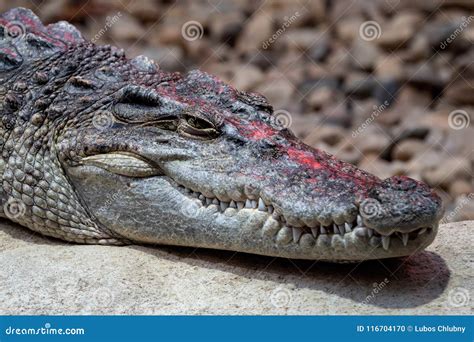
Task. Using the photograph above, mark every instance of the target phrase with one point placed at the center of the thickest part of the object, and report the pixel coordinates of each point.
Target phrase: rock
(364, 54)
(400, 30)
(388, 67)
(226, 27)
(144, 9)
(127, 29)
(255, 33)
(460, 187)
(449, 170)
(381, 168)
(461, 92)
(407, 149)
(330, 135)
(348, 28)
(320, 97)
(41, 276)
(247, 77)
(278, 90)
(169, 58)
(371, 140)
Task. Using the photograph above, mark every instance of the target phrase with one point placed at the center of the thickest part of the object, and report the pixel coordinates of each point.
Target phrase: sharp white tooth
(360, 231)
(385, 242)
(208, 201)
(261, 205)
(297, 232)
(323, 230)
(315, 232)
(215, 201)
(248, 203)
(254, 204)
(359, 220)
(232, 204)
(422, 231)
(240, 205)
(224, 205)
(348, 227)
(342, 230)
(335, 228)
(270, 209)
(370, 232)
(405, 239)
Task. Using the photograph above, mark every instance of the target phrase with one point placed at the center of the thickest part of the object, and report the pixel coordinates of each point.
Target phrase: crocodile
(98, 148)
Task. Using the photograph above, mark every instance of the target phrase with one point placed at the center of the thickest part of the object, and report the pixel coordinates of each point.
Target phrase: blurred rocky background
(384, 84)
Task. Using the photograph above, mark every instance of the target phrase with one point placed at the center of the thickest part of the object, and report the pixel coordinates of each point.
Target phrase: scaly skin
(97, 148)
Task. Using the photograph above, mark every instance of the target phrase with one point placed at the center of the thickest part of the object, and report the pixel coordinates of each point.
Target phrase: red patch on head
(257, 131)
(303, 157)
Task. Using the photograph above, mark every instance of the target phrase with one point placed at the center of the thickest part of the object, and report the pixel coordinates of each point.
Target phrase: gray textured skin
(97, 148)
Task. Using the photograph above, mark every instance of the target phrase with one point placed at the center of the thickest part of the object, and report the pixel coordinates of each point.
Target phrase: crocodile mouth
(277, 228)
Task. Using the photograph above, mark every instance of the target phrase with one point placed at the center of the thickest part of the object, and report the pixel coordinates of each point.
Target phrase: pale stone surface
(45, 276)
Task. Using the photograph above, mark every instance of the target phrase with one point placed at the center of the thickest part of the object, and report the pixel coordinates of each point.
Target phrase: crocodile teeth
(370, 232)
(215, 201)
(348, 227)
(240, 205)
(405, 239)
(422, 231)
(261, 205)
(359, 220)
(270, 209)
(232, 204)
(248, 204)
(335, 228)
(324, 230)
(315, 232)
(297, 232)
(224, 205)
(385, 242)
(342, 230)
(360, 231)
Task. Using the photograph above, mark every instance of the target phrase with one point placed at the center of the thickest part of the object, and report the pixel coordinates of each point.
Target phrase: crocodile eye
(197, 127)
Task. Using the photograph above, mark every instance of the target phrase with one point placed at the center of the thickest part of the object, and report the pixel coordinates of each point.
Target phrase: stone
(257, 31)
(364, 54)
(399, 30)
(41, 276)
(407, 149)
(127, 29)
(247, 77)
(449, 170)
(461, 187)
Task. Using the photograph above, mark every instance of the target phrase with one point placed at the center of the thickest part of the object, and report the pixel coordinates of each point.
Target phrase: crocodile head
(194, 162)
(102, 149)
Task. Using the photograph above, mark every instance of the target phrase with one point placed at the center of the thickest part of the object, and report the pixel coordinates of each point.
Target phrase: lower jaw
(260, 233)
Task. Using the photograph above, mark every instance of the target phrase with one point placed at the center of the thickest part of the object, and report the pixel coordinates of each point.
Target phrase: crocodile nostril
(400, 183)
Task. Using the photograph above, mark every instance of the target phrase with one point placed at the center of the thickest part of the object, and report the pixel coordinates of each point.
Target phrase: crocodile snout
(400, 204)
